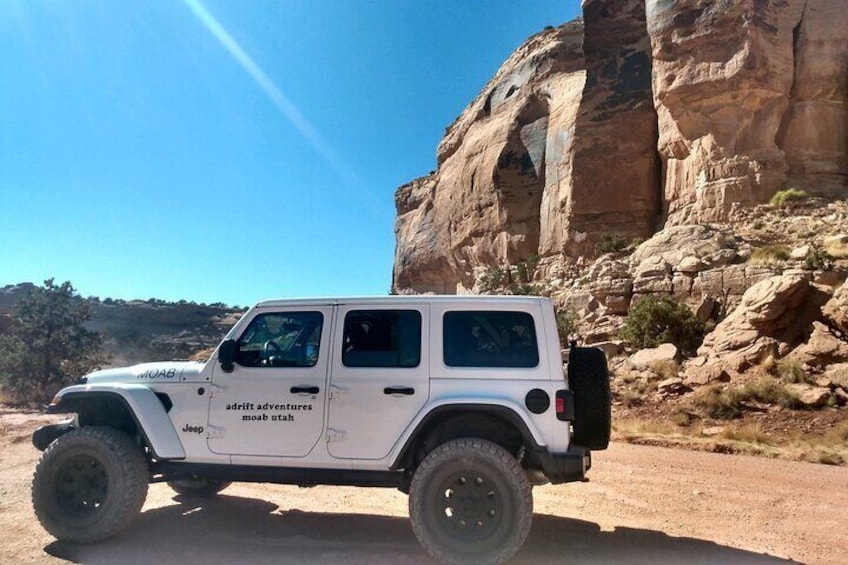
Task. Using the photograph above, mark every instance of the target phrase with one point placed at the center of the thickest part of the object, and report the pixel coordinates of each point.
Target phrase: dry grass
(747, 433)
(727, 403)
(748, 438)
(665, 369)
(837, 250)
(770, 255)
(792, 371)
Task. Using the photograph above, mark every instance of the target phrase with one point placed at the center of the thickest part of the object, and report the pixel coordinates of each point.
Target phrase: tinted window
(288, 339)
(382, 338)
(490, 339)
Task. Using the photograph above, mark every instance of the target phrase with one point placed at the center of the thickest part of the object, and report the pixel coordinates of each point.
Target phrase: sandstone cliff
(639, 116)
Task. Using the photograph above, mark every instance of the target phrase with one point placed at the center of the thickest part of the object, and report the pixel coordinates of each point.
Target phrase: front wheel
(470, 502)
(90, 484)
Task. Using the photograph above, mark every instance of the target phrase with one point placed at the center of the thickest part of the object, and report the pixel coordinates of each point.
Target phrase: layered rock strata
(640, 115)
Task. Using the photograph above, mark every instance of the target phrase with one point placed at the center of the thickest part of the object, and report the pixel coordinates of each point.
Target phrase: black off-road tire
(89, 485)
(198, 487)
(470, 502)
(588, 379)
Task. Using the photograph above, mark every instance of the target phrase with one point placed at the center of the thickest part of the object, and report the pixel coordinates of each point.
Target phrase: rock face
(750, 96)
(639, 116)
(526, 168)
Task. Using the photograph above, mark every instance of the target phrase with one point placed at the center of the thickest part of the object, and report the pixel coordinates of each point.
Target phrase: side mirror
(227, 355)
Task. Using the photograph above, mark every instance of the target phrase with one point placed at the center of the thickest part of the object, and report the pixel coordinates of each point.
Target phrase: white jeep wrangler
(461, 402)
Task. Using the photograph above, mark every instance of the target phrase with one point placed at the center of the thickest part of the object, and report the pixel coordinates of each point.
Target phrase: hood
(164, 372)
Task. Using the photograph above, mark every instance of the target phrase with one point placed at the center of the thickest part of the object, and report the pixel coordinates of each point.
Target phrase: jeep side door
(273, 401)
(380, 377)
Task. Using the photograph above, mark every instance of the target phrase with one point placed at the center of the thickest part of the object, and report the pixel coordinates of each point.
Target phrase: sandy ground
(642, 505)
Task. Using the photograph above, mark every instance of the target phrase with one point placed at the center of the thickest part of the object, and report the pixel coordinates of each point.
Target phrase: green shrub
(526, 269)
(493, 278)
(48, 345)
(566, 324)
(818, 260)
(783, 197)
(770, 254)
(652, 321)
(611, 243)
(510, 279)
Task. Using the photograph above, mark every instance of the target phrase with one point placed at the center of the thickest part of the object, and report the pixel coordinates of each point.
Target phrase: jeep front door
(272, 402)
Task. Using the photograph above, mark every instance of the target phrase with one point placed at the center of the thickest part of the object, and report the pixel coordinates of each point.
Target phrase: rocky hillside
(691, 149)
(639, 116)
(138, 330)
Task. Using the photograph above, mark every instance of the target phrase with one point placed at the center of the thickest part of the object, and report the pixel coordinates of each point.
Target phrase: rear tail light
(564, 405)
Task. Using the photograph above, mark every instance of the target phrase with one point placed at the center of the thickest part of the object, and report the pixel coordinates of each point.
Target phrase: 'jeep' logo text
(193, 429)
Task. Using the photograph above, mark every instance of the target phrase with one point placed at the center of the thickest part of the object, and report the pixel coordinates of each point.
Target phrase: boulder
(837, 374)
(773, 311)
(644, 358)
(835, 311)
(672, 386)
(799, 253)
(810, 397)
(821, 349)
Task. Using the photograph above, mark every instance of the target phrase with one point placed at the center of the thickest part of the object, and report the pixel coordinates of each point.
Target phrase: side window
(289, 339)
(382, 338)
(490, 339)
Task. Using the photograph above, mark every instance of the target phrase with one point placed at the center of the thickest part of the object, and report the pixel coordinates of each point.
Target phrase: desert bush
(611, 243)
(653, 321)
(818, 260)
(665, 369)
(792, 371)
(728, 403)
(526, 269)
(720, 403)
(770, 254)
(771, 391)
(510, 279)
(783, 197)
(566, 324)
(47, 346)
(493, 278)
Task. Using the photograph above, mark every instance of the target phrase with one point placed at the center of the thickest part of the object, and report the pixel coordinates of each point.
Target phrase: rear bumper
(566, 467)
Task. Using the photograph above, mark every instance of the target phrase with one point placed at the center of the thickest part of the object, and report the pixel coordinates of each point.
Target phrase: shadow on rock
(235, 530)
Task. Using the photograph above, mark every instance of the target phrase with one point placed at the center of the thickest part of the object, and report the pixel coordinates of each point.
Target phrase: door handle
(399, 390)
(305, 389)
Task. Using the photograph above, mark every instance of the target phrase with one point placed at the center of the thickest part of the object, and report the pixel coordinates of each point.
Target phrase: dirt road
(643, 505)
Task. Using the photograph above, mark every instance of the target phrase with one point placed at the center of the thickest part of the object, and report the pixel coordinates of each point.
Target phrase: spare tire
(588, 379)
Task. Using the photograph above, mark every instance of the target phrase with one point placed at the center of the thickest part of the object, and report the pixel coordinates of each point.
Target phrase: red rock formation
(564, 145)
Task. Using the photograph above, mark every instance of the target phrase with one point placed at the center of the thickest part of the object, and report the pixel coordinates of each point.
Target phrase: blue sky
(215, 150)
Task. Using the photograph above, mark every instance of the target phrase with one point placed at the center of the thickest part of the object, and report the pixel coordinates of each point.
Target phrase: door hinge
(216, 390)
(336, 435)
(337, 392)
(214, 432)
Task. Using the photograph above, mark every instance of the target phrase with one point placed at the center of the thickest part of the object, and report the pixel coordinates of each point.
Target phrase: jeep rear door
(379, 379)
(273, 401)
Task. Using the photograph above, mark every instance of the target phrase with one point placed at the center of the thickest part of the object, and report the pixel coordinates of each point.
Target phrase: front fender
(140, 402)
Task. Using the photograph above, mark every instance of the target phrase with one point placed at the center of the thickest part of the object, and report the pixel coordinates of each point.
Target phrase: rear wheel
(198, 486)
(90, 484)
(470, 502)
